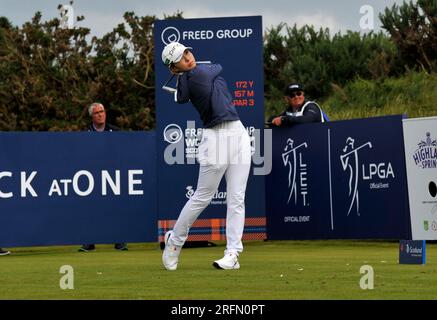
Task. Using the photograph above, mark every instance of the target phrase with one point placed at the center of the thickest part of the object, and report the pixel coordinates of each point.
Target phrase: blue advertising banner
(237, 45)
(296, 189)
(339, 180)
(412, 251)
(77, 188)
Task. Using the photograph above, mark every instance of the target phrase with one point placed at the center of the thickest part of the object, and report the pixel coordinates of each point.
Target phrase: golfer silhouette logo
(290, 160)
(349, 161)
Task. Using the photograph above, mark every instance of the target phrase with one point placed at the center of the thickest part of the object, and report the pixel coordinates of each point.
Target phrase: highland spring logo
(290, 160)
(426, 155)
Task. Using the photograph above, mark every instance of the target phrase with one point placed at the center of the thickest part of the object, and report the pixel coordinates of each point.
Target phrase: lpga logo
(289, 158)
(426, 155)
(349, 161)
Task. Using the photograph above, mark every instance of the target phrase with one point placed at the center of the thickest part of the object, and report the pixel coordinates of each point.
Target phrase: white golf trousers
(224, 150)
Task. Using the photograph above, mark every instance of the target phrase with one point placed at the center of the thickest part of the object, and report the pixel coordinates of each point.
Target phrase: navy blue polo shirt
(209, 94)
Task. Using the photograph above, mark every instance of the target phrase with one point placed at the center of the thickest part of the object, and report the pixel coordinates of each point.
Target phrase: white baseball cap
(173, 52)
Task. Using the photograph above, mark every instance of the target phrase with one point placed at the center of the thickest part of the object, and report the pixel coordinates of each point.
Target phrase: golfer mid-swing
(224, 150)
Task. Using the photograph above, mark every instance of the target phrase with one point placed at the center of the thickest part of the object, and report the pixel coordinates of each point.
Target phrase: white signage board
(420, 138)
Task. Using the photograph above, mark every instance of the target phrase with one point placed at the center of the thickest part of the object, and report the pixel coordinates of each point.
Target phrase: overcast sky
(103, 15)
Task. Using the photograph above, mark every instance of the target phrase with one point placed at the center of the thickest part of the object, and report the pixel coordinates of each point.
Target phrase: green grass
(414, 94)
(269, 270)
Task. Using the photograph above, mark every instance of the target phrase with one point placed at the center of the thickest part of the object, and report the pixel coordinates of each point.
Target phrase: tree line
(50, 74)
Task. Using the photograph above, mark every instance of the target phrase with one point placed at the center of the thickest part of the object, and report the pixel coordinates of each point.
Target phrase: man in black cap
(299, 109)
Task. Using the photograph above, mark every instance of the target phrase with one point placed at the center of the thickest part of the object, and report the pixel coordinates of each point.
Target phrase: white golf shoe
(170, 256)
(228, 262)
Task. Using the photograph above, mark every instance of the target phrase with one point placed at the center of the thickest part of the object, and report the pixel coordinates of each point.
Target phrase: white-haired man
(98, 116)
(97, 113)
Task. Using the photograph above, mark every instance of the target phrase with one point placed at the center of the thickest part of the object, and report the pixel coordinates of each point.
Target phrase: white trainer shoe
(228, 262)
(4, 252)
(170, 256)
